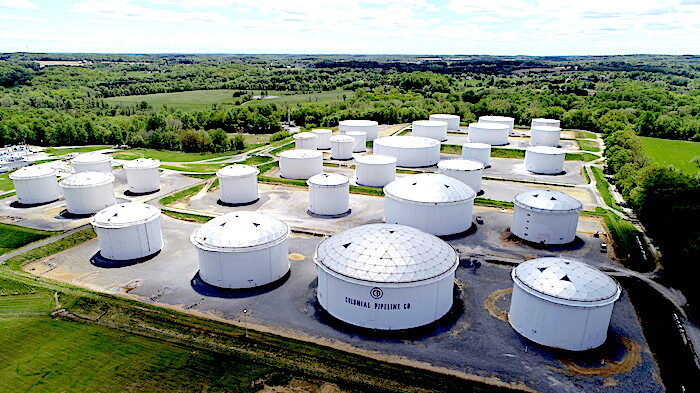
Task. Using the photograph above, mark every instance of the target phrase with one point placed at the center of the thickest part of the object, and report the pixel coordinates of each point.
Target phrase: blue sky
(507, 27)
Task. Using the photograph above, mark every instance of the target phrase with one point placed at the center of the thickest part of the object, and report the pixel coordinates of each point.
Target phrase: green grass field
(5, 182)
(603, 188)
(12, 237)
(167, 155)
(59, 151)
(205, 99)
(679, 154)
(588, 145)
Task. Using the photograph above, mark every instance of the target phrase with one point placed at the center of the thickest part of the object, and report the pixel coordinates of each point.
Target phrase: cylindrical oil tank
(409, 151)
(36, 184)
(370, 127)
(238, 184)
(562, 303)
(329, 194)
(128, 231)
(430, 129)
(494, 134)
(478, 152)
(360, 138)
(544, 160)
(92, 162)
(545, 136)
(505, 120)
(300, 164)
(324, 138)
(387, 277)
(142, 175)
(341, 147)
(375, 170)
(545, 122)
(451, 120)
(468, 172)
(243, 249)
(431, 202)
(88, 192)
(545, 216)
(306, 140)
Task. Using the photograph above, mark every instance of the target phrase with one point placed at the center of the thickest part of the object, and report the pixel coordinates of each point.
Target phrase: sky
(441, 27)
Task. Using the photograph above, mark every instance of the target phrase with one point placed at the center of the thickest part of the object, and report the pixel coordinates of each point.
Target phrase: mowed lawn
(59, 151)
(5, 182)
(12, 237)
(167, 155)
(678, 154)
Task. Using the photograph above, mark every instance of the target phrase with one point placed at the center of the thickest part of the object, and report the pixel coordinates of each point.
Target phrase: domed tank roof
(301, 154)
(142, 163)
(305, 135)
(376, 159)
(461, 165)
(406, 141)
(91, 158)
(358, 123)
(328, 180)
(546, 150)
(87, 179)
(566, 281)
(429, 188)
(240, 232)
(33, 172)
(386, 253)
(547, 200)
(237, 170)
(124, 215)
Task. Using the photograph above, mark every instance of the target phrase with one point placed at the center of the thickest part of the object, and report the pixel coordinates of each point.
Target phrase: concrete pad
(515, 142)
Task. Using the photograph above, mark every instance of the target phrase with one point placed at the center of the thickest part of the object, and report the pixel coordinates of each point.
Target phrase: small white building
(409, 151)
(545, 216)
(434, 203)
(306, 140)
(142, 175)
(360, 141)
(505, 120)
(545, 136)
(300, 164)
(494, 134)
(92, 162)
(386, 277)
(562, 303)
(243, 249)
(36, 184)
(451, 120)
(341, 147)
(545, 160)
(128, 231)
(88, 192)
(375, 170)
(238, 184)
(329, 194)
(468, 172)
(430, 129)
(545, 122)
(324, 138)
(478, 152)
(369, 127)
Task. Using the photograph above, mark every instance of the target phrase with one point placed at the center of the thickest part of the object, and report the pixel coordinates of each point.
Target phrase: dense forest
(653, 95)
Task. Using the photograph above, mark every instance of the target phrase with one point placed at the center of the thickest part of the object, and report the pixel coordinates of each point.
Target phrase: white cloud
(20, 4)
(126, 10)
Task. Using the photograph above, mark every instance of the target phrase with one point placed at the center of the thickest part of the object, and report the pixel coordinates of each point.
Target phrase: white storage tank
(128, 231)
(300, 164)
(92, 162)
(243, 249)
(434, 203)
(88, 192)
(306, 140)
(369, 127)
(36, 184)
(142, 175)
(360, 138)
(545, 136)
(493, 134)
(505, 120)
(409, 151)
(329, 194)
(451, 120)
(545, 122)
(468, 172)
(562, 303)
(238, 184)
(545, 160)
(341, 147)
(324, 138)
(430, 129)
(387, 277)
(375, 170)
(478, 152)
(545, 216)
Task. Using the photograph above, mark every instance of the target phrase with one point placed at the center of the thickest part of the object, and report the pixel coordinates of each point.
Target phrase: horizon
(534, 28)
